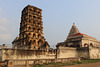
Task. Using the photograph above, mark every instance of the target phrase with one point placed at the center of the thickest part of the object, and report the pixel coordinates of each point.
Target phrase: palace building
(77, 39)
(31, 30)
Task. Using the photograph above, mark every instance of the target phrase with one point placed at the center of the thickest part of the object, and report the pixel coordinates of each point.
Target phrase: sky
(58, 18)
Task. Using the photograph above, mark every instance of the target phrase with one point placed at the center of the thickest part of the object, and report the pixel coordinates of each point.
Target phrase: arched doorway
(86, 45)
(91, 44)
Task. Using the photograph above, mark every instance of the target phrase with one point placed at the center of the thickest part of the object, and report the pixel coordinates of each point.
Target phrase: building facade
(31, 30)
(77, 39)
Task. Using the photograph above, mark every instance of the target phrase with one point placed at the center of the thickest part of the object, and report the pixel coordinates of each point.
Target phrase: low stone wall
(70, 52)
(27, 63)
(66, 52)
(94, 53)
(62, 52)
(83, 52)
(8, 54)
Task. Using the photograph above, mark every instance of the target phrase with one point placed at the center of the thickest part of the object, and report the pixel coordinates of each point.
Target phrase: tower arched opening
(39, 36)
(39, 30)
(34, 35)
(40, 42)
(34, 42)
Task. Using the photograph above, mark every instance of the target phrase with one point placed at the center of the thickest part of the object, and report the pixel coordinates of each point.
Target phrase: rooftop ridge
(33, 6)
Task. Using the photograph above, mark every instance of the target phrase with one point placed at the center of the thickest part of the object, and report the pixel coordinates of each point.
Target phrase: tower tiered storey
(31, 29)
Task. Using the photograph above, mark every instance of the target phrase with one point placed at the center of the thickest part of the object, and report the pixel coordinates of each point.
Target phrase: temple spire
(73, 30)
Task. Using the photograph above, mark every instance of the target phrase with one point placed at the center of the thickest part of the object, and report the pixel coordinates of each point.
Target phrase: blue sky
(58, 17)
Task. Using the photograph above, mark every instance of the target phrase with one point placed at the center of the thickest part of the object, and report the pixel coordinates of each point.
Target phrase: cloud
(4, 24)
(4, 21)
(4, 36)
(4, 30)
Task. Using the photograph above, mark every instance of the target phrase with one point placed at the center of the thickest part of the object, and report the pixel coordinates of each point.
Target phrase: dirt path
(86, 65)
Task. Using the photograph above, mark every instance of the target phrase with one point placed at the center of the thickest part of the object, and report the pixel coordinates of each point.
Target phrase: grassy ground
(65, 64)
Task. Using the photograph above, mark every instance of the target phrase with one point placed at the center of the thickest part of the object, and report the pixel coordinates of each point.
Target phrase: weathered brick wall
(69, 52)
(94, 53)
(27, 54)
(62, 52)
(66, 52)
(83, 52)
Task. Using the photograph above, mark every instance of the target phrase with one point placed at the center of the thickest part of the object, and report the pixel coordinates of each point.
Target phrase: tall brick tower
(31, 30)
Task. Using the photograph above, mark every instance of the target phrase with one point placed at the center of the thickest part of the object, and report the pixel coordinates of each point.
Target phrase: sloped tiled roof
(77, 34)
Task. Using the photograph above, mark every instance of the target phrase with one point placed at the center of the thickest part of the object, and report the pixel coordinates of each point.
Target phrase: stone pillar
(47, 61)
(55, 60)
(81, 43)
(62, 60)
(27, 64)
(34, 62)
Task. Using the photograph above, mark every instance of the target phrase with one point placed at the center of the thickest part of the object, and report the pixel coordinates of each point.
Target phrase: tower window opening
(30, 16)
(29, 35)
(34, 36)
(34, 42)
(34, 10)
(40, 42)
(38, 12)
(30, 9)
(34, 16)
(29, 28)
(39, 24)
(39, 31)
(33, 29)
(39, 36)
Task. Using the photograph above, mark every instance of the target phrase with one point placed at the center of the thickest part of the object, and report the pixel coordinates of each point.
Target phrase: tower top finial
(73, 31)
(73, 23)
